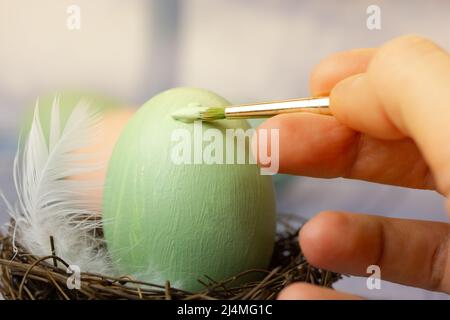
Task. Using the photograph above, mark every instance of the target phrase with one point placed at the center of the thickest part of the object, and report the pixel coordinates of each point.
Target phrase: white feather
(52, 204)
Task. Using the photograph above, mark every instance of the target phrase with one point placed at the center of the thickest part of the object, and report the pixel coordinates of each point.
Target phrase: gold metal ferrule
(318, 105)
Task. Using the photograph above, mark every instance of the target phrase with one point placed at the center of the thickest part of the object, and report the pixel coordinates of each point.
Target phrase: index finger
(337, 67)
(404, 93)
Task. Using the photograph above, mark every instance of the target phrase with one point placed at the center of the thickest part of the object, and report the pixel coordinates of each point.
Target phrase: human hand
(391, 108)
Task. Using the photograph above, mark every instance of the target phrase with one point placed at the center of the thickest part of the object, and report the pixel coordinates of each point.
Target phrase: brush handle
(318, 105)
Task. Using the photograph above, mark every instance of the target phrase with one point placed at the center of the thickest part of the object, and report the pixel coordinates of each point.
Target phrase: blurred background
(244, 50)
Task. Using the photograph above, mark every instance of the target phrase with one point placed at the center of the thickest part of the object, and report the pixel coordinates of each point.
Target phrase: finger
(410, 252)
(405, 92)
(337, 67)
(318, 146)
(305, 291)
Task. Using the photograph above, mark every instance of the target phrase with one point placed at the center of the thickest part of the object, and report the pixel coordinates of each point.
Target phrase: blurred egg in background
(113, 117)
(111, 127)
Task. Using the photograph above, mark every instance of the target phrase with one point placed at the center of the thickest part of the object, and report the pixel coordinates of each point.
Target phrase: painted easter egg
(174, 208)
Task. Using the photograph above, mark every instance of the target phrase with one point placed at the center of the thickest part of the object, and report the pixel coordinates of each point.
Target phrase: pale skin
(391, 125)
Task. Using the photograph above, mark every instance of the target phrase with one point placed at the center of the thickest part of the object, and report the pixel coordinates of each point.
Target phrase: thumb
(405, 92)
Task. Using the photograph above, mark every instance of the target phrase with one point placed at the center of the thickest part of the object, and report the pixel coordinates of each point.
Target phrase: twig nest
(24, 276)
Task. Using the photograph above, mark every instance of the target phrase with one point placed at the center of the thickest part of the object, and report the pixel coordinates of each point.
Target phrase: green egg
(179, 222)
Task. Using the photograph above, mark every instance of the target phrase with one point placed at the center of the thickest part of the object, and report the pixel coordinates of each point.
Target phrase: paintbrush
(318, 105)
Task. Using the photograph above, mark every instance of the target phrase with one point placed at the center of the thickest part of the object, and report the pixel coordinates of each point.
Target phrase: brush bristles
(211, 114)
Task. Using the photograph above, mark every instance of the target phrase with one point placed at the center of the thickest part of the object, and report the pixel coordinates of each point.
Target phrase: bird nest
(24, 277)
